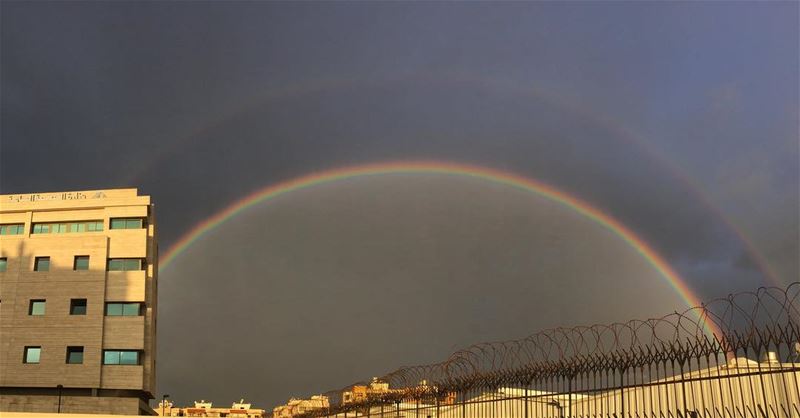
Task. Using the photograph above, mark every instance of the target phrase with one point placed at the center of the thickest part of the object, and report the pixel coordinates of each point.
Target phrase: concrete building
(301, 406)
(239, 409)
(360, 393)
(78, 275)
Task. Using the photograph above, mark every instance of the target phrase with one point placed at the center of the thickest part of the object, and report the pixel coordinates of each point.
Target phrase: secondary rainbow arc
(436, 167)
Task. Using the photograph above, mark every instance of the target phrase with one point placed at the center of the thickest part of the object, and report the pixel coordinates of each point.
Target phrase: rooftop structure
(300, 406)
(203, 408)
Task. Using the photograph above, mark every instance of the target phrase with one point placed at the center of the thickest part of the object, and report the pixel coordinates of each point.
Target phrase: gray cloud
(666, 116)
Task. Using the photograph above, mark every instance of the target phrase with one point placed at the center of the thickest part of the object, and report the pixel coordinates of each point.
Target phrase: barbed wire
(744, 324)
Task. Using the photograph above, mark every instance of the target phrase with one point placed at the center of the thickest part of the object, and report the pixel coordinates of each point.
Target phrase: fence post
(622, 392)
(569, 396)
(464, 405)
(526, 400)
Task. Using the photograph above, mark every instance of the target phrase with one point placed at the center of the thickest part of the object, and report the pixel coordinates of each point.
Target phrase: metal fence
(732, 357)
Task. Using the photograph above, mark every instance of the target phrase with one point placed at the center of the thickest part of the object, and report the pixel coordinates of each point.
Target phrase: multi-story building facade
(78, 275)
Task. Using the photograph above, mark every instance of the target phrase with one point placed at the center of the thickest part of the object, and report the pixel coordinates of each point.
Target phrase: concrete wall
(39, 406)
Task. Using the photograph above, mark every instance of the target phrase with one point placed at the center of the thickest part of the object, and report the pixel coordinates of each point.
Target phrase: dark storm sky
(670, 117)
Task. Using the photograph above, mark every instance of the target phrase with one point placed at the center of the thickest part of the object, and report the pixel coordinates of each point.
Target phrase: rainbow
(436, 167)
(493, 84)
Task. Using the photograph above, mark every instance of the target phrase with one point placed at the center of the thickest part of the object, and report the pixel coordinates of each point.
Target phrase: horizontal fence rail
(732, 357)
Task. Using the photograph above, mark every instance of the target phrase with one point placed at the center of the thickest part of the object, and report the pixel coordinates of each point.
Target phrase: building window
(127, 223)
(81, 262)
(31, 355)
(37, 307)
(41, 264)
(77, 307)
(125, 264)
(124, 309)
(127, 357)
(67, 227)
(74, 355)
(3, 264)
(12, 229)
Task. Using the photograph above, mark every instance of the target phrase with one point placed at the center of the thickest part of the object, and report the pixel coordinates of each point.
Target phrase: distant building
(206, 409)
(377, 387)
(78, 285)
(360, 393)
(740, 385)
(300, 406)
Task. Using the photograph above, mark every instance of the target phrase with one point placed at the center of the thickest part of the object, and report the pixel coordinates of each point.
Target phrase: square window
(133, 224)
(37, 307)
(116, 264)
(3, 264)
(113, 309)
(74, 355)
(118, 224)
(77, 307)
(32, 355)
(132, 264)
(131, 309)
(41, 264)
(128, 357)
(81, 262)
(110, 357)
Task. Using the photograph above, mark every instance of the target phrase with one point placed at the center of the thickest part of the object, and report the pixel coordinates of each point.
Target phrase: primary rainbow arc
(436, 167)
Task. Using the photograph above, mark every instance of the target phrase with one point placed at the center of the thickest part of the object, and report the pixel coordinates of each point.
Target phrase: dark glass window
(77, 307)
(74, 355)
(81, 262)
(12, 229)
(127, 223)
(41, 264)
(32, 355)
(131, 309)
(3, 264)
(127, 357)
(125, 264)
(124, 309)
(37, 307)
(65, 227)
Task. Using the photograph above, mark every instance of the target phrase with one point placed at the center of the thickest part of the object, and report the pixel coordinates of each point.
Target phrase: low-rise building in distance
(360, 393)
(202, 408)
(300, 406)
